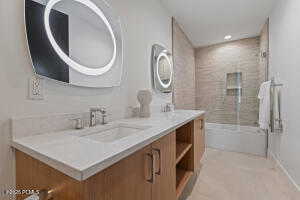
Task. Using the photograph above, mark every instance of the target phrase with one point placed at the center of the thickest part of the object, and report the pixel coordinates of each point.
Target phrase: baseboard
(273, 157)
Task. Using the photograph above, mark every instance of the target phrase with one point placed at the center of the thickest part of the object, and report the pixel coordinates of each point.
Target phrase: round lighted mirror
(75, 65)
(75, 41)
(162, 69)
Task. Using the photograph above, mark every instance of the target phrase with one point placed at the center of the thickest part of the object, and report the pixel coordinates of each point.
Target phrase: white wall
(144, 23)
(285, 66)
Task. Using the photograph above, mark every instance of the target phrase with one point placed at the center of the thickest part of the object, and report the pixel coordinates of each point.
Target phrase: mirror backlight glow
(164, 55)
(76, 66)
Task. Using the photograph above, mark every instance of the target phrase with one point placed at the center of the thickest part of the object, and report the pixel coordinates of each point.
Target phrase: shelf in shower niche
(234, 88)
(234, 81)
(234, 91)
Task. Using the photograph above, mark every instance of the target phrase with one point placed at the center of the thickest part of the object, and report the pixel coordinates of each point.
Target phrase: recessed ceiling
(207, 22)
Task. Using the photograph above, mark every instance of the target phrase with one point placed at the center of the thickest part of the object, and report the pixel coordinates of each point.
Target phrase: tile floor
(236, 176)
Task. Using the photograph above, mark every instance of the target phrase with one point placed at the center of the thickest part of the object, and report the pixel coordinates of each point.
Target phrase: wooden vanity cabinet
(198, 142)
(152, 173)
(125, 180)
(129, 179)
(190, 147)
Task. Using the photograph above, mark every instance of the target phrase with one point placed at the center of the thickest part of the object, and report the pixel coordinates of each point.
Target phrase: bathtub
(244, 139)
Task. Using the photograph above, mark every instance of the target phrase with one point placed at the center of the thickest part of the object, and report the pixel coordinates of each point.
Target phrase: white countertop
(81, 158)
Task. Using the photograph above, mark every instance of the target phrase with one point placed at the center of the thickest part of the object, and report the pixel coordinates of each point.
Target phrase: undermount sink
(115, 133)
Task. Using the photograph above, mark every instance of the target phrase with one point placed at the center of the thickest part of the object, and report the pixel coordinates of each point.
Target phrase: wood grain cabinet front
(198, 142)
(126, 180)
(164, 150)
(148, 174)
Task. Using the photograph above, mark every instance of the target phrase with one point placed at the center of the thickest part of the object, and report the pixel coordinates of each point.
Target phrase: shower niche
(234, 84)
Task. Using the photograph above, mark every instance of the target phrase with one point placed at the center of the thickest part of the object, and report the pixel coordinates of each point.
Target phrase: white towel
(264, 105)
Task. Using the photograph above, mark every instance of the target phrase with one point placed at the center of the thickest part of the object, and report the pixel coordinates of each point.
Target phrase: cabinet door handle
(159, 154)
(152, 179)
(202, 124)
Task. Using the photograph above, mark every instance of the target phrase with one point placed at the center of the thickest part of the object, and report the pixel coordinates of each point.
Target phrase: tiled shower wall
(212, 65)
(264, 47)
(184, 69)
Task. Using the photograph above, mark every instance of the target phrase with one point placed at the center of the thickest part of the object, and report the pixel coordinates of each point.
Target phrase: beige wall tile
(264, 47)
(212, 65)
(184, 70)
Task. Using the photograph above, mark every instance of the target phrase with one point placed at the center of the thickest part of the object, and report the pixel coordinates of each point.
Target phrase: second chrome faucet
(93, 116)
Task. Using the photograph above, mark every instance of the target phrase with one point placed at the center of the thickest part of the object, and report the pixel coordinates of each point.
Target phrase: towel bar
(272, 114)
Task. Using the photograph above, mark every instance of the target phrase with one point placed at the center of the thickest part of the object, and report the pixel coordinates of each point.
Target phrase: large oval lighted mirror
(78, 42)
(162, 69)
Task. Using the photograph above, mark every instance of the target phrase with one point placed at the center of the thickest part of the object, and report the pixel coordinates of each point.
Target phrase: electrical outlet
(36, 88)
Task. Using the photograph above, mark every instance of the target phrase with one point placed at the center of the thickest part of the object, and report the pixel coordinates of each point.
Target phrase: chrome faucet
(93, 116)
(103, 115)
(169, 107)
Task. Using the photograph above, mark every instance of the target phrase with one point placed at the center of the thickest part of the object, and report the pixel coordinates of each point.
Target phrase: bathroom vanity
(130, 159)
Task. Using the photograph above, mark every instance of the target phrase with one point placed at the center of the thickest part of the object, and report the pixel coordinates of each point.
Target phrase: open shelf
(181, 149)
(182, 178)
(186, 139)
